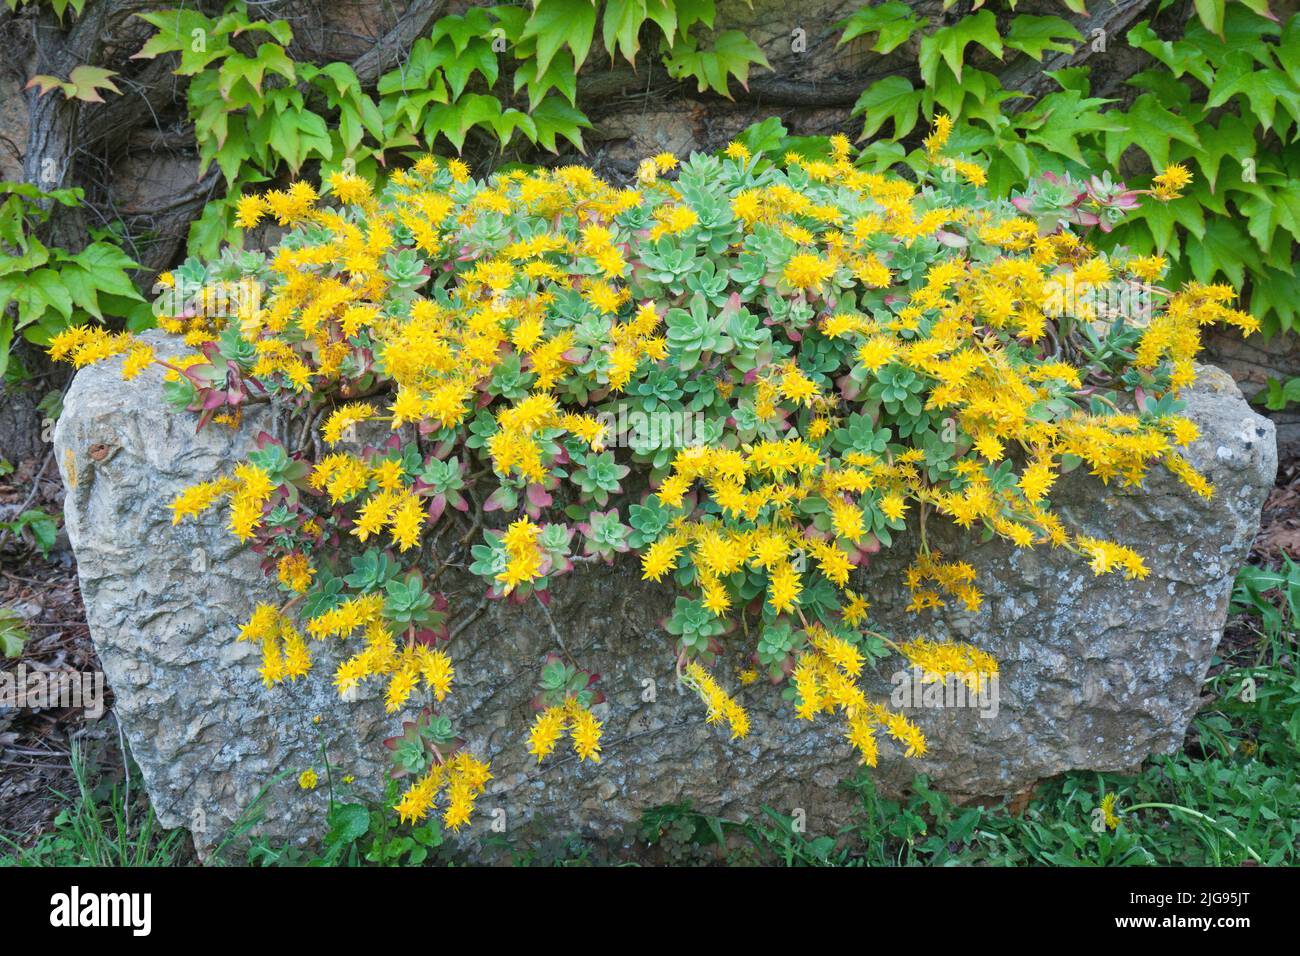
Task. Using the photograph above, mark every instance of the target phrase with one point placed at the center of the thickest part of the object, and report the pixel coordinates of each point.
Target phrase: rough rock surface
(1252, 361)
(1097, 673)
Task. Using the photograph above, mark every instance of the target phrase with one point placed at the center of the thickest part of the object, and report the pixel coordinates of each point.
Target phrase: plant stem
(1200, 816)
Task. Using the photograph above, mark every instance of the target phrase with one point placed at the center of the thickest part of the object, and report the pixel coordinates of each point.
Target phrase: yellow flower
(407, 520)
(1171, 181)
(846, 518)
(524, 557)
(939, 133)
(737, 151)
(721, 707)
(877, 351)
(197, 499)
(546, 731)
(585, 730)
(784, 588)
(892, 506)
(855, 612)
(343, 418)
(249, 211)
(807, 272)
(941, 659)
(660, 558)
(1109, 817)
(350, 188)
(296, 572)
(665, 162)
(798, 387)
(137, 360)
(307, 779)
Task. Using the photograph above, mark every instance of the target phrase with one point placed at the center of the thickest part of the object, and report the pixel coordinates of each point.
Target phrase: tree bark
(394, 44)
(52, 141)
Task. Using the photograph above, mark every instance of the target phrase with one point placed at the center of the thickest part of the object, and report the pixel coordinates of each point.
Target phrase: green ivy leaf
(1150, 127)
(949, 44)
(1211, 14)
(1226, 248)
(1062, 118)
(462, 31)
(559, 23)
(176, 33)
(733, 54)
(1270, 211)
(560, 75)
(478, 57)
(455, 120)
(1034, 36)
(1179, 55)
(6, 340)
(892, 97)
(35, 293)
(1276, 291)
(892, 22)
(1262, 89)
(13, 633)
(664, 13)
(554, 117)
(252, 70)
(620, 26)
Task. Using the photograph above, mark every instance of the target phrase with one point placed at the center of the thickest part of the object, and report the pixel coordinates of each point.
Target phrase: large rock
(1097, 673)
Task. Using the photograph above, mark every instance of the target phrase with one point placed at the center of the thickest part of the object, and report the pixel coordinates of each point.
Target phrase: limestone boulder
(1097, 673)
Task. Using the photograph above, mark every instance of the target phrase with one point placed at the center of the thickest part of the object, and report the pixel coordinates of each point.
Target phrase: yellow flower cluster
(825, 681)
(524, 557)
(252, 490)
(632, 342)
(84, 345)
(196, 499)
(571, 717)
(955, 578)
(404, 668)
(1175, 332)
(515, 445)
(344, 418)
(284, 651)
(394, 505)
(940, 659)
(462, 776)
(249, 489)
(1109, 556)
(722, 708)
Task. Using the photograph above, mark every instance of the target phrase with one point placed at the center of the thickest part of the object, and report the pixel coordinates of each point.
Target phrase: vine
(1221, 97)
